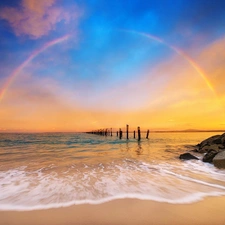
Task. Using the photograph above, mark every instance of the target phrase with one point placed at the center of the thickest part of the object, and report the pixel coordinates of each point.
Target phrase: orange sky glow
(66, 73)
(184, 102)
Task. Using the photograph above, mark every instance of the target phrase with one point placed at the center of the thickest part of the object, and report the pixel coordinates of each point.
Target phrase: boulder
(210, 140)
(216, 142)
(219, 160)
(187, 156)
(194, 150)
(214, 149)
(207, 148)
(208, 157)
(223, 139)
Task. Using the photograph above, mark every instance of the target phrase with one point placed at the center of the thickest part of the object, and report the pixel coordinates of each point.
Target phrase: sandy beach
(126, 211)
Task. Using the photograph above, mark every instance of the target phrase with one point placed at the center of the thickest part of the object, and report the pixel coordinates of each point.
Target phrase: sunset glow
(84, 65)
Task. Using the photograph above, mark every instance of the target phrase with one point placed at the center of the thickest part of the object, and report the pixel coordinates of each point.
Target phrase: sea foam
(100, 183)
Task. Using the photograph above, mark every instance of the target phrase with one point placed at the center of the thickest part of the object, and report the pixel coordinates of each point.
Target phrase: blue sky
(106, 64)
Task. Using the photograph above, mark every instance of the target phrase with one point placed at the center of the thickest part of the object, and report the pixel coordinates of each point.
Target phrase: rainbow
(179, 52)
(13, 75)
(63, 38)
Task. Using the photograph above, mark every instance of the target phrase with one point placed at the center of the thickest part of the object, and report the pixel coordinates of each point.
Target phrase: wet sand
(126, 211)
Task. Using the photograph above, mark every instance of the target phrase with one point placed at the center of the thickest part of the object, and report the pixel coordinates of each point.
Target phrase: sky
(81, 65)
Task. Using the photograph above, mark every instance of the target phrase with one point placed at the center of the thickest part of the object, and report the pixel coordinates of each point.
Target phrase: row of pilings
(119, 133)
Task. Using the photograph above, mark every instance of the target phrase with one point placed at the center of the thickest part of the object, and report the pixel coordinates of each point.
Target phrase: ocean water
(49, 170)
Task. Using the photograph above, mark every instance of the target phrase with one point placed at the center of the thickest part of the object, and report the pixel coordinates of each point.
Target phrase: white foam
(194, 180)
(41, 189)
(186, 200)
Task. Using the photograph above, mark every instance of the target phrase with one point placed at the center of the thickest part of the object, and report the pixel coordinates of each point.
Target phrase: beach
(112, 112)
(126, 211)
(66, 179)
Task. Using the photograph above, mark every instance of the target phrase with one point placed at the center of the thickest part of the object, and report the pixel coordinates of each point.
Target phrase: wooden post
(134, 134)
(121, 133)
(127, 132)
(117, 133)
(111, 132)
(147, 134)
(139, 134)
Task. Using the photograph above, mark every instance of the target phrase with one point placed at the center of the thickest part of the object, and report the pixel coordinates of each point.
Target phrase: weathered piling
(121, 133)
(139, 134)
(147, 134)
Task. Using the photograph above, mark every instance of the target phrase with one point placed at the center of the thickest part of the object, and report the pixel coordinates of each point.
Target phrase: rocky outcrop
(213, 149)
(210, 147)
(219, 160)
(187, 156)
(216, 143)
(208, 157)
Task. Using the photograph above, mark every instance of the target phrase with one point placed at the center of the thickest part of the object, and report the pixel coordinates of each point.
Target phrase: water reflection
(139, 150)
(134, 148)
(127, 146)
(41, 150)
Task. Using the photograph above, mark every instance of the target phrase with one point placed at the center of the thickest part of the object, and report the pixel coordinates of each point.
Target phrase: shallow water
(60, 169)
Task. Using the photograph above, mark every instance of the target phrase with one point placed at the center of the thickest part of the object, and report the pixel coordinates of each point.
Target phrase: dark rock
(214, 147)
(208, 157)
(219, 160)
(223, 139)
(209, 140)
(216, 142)
(194, 150)
(187, 156)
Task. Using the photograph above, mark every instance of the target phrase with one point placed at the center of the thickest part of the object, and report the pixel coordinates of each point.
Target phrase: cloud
(37, 18)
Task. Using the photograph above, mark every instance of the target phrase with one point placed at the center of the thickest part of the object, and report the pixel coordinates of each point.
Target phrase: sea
(52, 170)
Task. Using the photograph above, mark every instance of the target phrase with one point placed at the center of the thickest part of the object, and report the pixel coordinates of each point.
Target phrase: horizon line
(151, 131)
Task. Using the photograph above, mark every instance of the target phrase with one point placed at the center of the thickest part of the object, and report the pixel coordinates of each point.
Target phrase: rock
(210, 140)
(219, 160)
(216, 142)
(194, 150)
(223, 139)
(187, 156)
(215, 147)
(208, 157)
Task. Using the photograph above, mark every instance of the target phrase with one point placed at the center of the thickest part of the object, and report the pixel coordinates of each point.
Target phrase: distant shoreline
(187, 131)
(114, 132)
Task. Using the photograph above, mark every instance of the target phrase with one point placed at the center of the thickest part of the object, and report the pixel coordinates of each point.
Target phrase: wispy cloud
(37, 18)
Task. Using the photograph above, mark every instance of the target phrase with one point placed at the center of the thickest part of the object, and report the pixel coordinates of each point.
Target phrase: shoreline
(124, 211)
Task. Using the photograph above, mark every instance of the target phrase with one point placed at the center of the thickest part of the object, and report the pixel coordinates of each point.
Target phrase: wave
(185, 200)
(51, 187)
